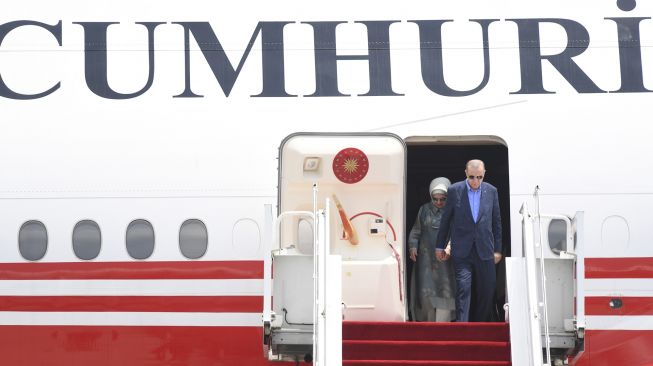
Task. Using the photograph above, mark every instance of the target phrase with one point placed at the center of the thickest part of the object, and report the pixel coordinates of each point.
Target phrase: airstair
(334, 277)
(426, 344)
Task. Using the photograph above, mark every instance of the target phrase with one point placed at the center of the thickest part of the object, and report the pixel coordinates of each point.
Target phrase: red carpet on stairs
(426, 344)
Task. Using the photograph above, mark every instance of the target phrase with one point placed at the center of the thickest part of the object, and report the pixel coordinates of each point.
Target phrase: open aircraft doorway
(429, 157)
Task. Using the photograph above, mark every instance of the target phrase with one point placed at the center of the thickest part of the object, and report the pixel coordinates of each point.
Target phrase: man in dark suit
(471, 218)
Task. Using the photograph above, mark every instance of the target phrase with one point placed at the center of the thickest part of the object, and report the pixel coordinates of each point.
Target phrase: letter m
(224, 71)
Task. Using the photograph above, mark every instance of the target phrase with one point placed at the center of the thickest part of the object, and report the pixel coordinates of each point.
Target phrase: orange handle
(350, 232)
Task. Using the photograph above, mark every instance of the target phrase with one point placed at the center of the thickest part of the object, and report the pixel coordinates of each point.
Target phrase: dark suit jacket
(457, 219)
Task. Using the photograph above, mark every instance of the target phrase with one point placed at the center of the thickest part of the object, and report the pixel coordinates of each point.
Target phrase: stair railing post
(533, 303)
(544, 305)
(580, 273)
(317, 226)
(267, 276)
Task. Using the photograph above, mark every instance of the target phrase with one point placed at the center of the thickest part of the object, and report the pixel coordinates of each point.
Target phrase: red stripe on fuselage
(616, 347)
(200, 304)
(600, 305)
(640, 267)
(132, 346)
(183, 270)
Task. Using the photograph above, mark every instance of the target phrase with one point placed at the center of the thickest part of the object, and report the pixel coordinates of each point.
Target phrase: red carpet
(425, 344)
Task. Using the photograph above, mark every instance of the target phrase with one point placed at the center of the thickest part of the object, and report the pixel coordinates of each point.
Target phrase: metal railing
(531, 274)
(544, 303)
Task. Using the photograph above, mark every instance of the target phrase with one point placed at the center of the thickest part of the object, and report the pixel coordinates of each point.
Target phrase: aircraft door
(363, 175)
(345, 192)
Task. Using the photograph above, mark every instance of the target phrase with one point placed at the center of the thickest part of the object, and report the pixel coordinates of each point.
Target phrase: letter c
(55, 30)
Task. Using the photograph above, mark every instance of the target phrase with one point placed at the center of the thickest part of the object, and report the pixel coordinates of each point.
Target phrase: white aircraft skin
(194, 144)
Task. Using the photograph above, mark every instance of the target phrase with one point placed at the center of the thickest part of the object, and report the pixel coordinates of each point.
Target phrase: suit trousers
(483, 274)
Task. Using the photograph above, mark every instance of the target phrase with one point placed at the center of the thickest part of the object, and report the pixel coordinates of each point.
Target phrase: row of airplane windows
(87, 239)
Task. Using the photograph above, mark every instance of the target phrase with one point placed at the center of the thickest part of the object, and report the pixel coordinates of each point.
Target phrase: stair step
(424, 331)
(422, 363)
(425, 350)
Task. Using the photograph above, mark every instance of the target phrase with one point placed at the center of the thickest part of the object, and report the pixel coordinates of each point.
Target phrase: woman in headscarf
(432, 283)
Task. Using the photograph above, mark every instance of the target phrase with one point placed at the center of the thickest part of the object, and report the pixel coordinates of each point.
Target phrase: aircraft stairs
(426, 344)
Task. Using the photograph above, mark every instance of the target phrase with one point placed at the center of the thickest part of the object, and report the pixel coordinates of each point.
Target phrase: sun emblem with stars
(350, 165)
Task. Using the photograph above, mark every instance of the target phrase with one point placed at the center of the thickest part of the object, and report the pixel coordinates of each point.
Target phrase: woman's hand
(441, 255)
(413, 254)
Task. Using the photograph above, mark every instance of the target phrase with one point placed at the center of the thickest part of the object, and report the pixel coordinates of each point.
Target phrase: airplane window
(246, 238)
(193, 239)
(140, 239)
(558, 235)
(87, 239)
(32, 240)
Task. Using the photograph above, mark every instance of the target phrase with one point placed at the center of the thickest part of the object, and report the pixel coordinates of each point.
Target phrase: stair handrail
(327, 301)
(272, 245)
(267, 316)
(317, 248)
(276, 244)
(531, 278)
(544, 304)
